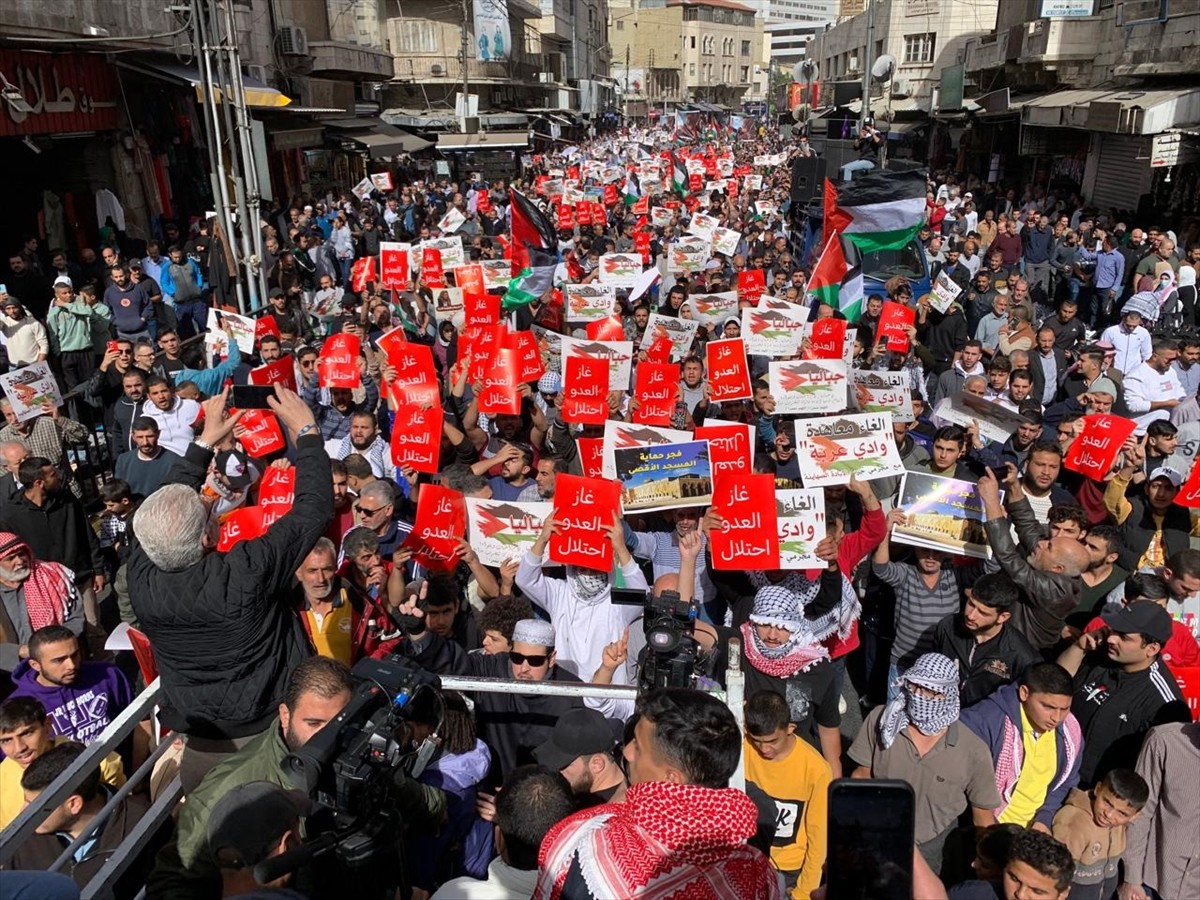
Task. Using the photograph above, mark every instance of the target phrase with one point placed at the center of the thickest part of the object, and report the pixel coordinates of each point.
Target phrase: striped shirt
(662, 549)
(919, 608)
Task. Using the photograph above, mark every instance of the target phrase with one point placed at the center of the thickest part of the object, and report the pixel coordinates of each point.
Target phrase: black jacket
(225, 637)
(983, 667)
(1116, 709)
(1138, 530)
(57, 531)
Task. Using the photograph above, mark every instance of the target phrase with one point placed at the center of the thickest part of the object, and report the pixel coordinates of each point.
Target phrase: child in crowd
(1092, 825)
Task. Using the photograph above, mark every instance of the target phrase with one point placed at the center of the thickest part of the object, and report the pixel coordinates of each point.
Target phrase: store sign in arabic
(65, 92)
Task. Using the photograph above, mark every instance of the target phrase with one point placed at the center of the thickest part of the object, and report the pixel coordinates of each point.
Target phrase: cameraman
(317, 691)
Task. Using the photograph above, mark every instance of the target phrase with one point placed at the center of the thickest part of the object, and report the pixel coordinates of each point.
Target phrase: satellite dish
(805, 72)
(883, 68)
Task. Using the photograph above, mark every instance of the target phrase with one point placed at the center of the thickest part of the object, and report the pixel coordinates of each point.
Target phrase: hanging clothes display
(53, 224)
(109, 207)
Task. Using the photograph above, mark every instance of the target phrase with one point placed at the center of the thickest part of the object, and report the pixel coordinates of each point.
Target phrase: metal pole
(866, 85)
(540, 688)
(735, 697)
(466, 46)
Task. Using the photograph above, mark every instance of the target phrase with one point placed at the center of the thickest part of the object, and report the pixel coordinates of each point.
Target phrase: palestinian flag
(679, 175)
(835, 283)
(534, 253)
(882, 211)
(632, 189)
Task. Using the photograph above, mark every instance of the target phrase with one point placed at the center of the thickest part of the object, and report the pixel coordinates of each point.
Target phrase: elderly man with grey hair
(224, 633)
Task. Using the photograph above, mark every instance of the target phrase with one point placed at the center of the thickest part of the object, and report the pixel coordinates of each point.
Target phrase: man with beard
(516, 462)
(25, 605)
(82, 698)
(1039, 483)
(364, 439)
(581, 749)
(545, 474)
(145, 468)
(662, 549)
(317, 691)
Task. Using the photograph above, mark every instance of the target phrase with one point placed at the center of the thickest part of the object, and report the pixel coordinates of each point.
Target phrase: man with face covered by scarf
(917, 738)
(580, 607)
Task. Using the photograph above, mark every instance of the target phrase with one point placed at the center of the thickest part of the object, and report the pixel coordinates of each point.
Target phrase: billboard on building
(1064, 9)
(493, 37)
(847, 8)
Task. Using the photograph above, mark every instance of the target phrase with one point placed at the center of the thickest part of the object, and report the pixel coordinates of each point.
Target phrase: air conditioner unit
(258, 73)
(471, 125)
(901, 87)
(435, 69)
(293, 41)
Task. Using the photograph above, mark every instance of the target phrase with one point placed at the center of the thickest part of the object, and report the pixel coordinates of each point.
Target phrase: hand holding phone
(872, 823)
(252, 396)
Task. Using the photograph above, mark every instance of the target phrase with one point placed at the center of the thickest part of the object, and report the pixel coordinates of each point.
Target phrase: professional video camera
(668, 621)
(351, 767)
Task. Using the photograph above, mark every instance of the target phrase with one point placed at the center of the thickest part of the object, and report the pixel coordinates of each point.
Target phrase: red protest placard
(752, 283)
(276, 494)
(481, 308)
(470, 279)
(483, 202)
(281, 371)
(695, 182)
(417, 438)
(263, 326)
(585, 390)
(362, 273)
(499, 396)
(748, 537)
(529, 357)
(414, 366)
(583, 213)
(566, 217)
(607, 329)
(480, 341)
(262, 435)
(338, 365)
(641, 243)
(591, 456)
(728, 371)
(599, 214)
(730, 447)
(439, 525)
(391, 340)
(641, 207)
(431, 268)
(393, 266)
(660, 350)
(611, 197)
(828, 339)
(243, 524)
(584, 509)
(1095, 450)
(656, 387)
(893, 321)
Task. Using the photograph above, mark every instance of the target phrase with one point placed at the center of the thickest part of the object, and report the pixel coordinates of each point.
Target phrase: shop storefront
(495, 155)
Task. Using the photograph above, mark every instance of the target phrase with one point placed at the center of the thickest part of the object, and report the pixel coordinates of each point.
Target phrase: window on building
(918, 48)
(745, 74)
(707, 44)
(620, 24)
(691, 68)
(745, 48)
(693, 41)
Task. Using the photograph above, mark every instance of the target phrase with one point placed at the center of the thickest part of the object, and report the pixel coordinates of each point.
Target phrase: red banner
(660, 350)
(243, 524)
(607, 329)
(414, 369)
(481, 341)
(730, 447)
(893, 321)
(362, 273)
(276, 494)
(432, 275)
(440, 523)
(611, 197)
(656, 389)
(566, 217)
(393, 266)
(591, 456)
(584, 509)
(828, 339)
(749, 537)
(641, 243)
(483, 202)
(1095, 450)
(585, 390)
(417, 438)
(695, 182)
(281, 371)
(529, 358)
(391, 341)
(500, 396)
(262, 435)
(338, 365)
(751, 285)
(728, 371)
(641, 207)
(470, 279)
(64, 93)
(583, 213)
(480, 308)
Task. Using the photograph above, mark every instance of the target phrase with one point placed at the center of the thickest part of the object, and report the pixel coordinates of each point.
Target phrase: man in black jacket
(225, 637)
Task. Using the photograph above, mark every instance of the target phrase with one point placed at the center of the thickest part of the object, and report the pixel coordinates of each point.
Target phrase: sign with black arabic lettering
(800, 515)
(502, 530)
(808, 386)
(832, 448)
(664, 476)
(883, 392)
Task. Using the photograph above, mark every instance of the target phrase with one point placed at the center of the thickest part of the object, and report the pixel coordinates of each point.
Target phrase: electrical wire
(85, 40)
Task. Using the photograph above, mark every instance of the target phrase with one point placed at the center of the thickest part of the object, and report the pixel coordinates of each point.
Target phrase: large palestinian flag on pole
(835, 283)
(534, 253)
(679, 175)
(882, 211)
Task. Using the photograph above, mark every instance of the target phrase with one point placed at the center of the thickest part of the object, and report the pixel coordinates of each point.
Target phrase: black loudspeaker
(808, 178)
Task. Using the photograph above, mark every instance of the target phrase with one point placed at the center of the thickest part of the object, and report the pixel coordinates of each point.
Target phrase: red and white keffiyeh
(665, 842)
(49, 589)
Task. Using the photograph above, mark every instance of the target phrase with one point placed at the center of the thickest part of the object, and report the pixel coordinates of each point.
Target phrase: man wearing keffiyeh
(34, 594)
(917, 738)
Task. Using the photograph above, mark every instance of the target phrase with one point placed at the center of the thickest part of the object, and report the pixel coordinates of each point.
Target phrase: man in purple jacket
(81, 698)
(1035, 741)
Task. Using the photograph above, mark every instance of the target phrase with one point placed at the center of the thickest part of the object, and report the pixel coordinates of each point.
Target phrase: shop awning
(503, 119)
(258, 95)
(379, 138)
(897, 130)
(1116, 112)
(484, 140)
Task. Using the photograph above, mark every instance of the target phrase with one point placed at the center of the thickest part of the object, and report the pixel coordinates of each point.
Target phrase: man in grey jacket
(1048, 577)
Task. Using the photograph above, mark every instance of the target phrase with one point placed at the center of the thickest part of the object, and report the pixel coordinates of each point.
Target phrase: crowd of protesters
(1030, 698)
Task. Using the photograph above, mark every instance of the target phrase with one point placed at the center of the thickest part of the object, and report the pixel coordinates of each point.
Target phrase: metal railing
(25, 824)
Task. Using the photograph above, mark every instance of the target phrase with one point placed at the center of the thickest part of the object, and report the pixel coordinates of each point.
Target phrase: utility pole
(867, 62)
(466, 49)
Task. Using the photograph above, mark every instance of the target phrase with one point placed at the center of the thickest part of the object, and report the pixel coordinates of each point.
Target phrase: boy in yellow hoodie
(1092, 825)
